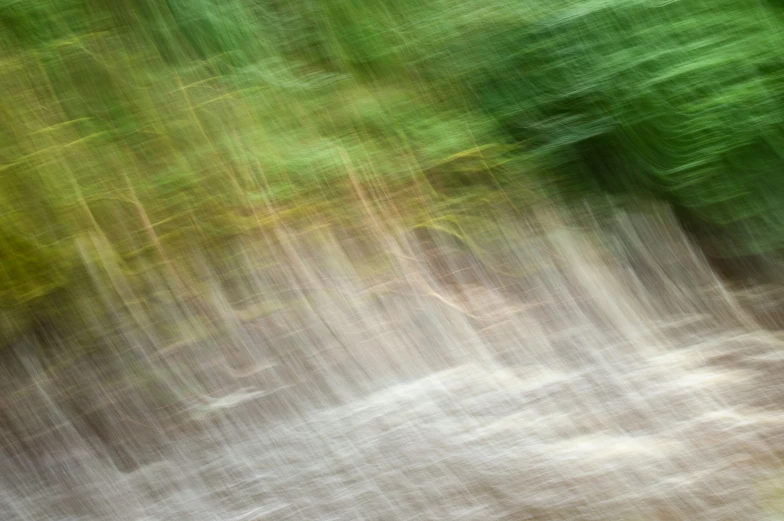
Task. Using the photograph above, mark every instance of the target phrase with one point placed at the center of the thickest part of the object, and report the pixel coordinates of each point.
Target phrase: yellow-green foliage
(159, 137)
(161, 126)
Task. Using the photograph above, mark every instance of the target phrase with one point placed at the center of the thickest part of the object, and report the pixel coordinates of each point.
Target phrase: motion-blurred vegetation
(141, 130)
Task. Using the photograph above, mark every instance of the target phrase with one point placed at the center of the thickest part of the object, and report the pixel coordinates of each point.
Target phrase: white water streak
(570, 383)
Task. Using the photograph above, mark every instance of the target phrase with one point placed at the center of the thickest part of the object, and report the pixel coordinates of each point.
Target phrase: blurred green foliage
(683, 99)
(160, 126)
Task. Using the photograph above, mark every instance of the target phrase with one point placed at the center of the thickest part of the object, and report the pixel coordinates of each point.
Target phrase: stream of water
(561, 375)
